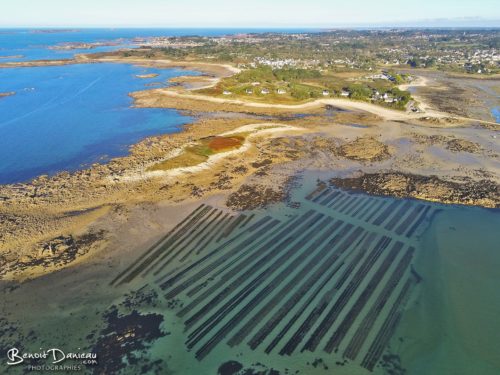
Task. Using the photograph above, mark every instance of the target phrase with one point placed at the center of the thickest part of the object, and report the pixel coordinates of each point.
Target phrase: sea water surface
(453, 326)
(66, 117)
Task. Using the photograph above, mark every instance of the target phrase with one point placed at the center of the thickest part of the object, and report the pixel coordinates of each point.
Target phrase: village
(471, 52)
(280, 81)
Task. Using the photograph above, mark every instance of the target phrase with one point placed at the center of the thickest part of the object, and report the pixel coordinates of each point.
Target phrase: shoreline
(218, 71)
(122, 183)
(463, 96)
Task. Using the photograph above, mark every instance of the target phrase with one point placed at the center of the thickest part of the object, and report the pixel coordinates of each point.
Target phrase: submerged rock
(229, 368)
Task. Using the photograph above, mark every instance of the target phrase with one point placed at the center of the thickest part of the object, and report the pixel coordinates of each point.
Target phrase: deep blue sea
(67, 117)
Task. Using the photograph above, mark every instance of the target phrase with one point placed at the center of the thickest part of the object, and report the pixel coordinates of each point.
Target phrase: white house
(264, 91)
(281, 91)
(326, 92)
(249, 91)
(344, 93)
(226, 92)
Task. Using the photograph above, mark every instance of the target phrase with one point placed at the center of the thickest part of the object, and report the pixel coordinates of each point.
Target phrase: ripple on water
(72, 115)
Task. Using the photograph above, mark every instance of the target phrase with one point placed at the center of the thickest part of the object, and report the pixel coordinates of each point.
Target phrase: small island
(76, 45)
(5, 94)
(146, 76)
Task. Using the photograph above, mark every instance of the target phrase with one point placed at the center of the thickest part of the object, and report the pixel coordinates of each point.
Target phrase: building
(225, 92)
(345, 93)
(281, 91)
(264, 91)
(375, 95)
(249, 91)
(326, 93)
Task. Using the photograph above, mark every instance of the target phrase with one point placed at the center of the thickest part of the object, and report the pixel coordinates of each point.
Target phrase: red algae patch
(223, 143)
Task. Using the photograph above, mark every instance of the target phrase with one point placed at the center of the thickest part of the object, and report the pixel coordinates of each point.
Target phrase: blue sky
(248, 13)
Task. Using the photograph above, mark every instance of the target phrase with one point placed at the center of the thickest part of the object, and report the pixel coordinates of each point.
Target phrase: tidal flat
(330, 280)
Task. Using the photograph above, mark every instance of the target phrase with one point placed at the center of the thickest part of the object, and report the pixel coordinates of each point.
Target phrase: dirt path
(420, 81)
(385, 113)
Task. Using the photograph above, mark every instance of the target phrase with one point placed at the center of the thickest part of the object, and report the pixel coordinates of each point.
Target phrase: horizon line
(256, 27)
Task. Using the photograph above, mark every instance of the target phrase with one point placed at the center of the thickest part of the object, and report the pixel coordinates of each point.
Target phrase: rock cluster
(403, 185)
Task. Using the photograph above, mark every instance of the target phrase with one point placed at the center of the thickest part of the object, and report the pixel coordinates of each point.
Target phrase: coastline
(90, 200)
(459, 95)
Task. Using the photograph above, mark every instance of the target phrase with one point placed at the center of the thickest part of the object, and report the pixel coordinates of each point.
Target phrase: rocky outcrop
(250, 197)
(364, 149)
(56, 252)
(481, 193)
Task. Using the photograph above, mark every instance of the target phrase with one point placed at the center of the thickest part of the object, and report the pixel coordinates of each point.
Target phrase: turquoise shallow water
(337, 283)
(65, 117)
(344, 283)
(453, 327)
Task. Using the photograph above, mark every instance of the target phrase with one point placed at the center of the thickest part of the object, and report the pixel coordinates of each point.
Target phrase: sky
(248, 13)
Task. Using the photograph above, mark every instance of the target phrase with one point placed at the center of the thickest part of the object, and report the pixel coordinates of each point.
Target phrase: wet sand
(460, 95)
